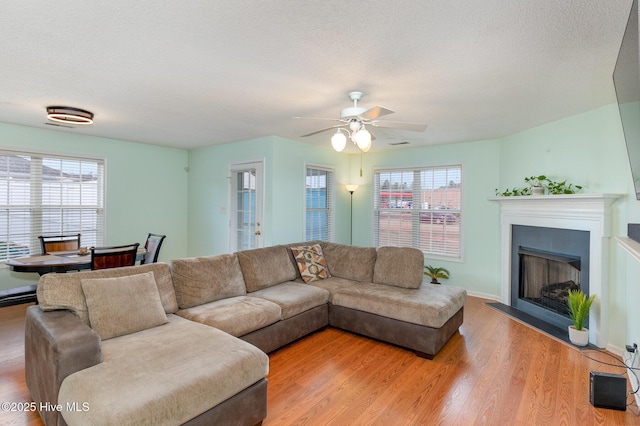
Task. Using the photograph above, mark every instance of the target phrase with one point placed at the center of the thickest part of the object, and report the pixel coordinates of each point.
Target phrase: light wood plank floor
(496, 371)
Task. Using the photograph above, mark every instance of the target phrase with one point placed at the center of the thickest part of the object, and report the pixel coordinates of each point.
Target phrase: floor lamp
(351, 189)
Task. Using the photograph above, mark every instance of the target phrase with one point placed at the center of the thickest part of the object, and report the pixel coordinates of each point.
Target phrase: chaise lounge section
(186, 344)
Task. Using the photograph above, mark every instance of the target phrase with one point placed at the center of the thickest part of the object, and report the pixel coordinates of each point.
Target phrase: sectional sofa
(187, 343)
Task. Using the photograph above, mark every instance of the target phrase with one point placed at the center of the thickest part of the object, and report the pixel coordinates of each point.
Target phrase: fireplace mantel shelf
(563, 197)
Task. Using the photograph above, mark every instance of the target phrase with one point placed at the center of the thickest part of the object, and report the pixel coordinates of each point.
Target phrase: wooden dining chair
(113, 257)
(59, 243)
(152, 246)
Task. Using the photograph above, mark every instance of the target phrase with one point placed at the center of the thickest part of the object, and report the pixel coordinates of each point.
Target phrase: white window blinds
(419, 208)
(48, 195)
(319, 201)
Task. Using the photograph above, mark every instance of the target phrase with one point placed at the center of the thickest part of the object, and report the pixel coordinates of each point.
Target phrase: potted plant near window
(579, 305)
(436, 272)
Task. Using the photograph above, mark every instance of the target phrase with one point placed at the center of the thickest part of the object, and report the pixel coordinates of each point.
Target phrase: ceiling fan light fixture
(69, 115)
(338, 141)
(363, 139)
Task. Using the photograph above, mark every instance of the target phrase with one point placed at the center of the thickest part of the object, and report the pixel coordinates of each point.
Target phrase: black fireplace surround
(546, 263)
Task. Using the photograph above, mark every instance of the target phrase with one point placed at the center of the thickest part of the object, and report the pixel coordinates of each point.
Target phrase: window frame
(414, 211)
(42, 199)
(330, 202)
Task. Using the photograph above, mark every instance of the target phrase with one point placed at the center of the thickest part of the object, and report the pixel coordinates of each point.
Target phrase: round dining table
(59, 261)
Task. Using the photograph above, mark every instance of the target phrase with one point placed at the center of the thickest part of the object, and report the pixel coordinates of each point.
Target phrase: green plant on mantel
(552, 187)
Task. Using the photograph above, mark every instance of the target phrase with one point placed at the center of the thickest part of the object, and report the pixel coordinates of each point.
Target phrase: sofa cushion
(64, 291)
(291, 255)
(333, 284)
(350, 262)
(200, 280)
(235, 315)
(265, 267)
(399, 267)
(162, 376)
(311, 262)
(293, 298)
(430, 305)
(123, 305)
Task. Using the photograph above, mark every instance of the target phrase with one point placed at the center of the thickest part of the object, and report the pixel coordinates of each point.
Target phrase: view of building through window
(419, 208)
(48, 195)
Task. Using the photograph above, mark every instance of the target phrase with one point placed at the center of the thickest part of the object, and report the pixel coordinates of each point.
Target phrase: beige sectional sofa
(186, 344)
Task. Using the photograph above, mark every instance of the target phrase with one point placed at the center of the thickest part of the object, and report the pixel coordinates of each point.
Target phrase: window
(48, 195)
(419, 208)
(319, 196)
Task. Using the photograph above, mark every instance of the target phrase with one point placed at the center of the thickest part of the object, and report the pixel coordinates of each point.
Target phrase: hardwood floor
(496, 371)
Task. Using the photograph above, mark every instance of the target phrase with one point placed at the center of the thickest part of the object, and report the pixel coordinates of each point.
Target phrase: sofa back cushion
(265, 267)
(200, 280)
(350, 262)
(123, 305)
(399, 267)
(64, 291)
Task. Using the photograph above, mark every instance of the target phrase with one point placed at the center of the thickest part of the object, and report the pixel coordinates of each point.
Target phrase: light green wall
(146, 188)
(284, 171)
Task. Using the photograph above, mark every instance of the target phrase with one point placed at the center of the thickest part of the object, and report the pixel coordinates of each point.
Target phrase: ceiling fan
(353, 122)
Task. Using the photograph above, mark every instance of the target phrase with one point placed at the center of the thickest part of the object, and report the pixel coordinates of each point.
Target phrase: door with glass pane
(246, 191)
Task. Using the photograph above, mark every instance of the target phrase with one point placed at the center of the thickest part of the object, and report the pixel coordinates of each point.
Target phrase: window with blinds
(319, 202)
(48, 195)
(419, 208)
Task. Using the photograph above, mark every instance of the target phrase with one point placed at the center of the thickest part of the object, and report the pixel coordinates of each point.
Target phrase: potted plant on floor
(579, 305)
(436, 272)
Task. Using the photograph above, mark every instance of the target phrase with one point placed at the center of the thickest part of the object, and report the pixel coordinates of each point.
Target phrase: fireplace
(588, 215)
(546, 264)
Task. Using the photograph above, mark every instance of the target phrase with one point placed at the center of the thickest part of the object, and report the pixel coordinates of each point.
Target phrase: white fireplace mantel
(583, 212)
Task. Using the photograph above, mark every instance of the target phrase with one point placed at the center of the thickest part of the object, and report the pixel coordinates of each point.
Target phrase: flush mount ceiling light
(69, 115)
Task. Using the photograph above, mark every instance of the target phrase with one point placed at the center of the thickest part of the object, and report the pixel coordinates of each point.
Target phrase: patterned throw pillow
(311, 262)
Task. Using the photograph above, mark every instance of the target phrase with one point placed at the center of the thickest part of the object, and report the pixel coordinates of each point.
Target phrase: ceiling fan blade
(322, 130)
(414, 127)
(375, 112)
(317, 118)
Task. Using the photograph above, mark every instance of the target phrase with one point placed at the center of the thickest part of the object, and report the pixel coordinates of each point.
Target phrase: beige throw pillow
(311, 262)
(123, 305)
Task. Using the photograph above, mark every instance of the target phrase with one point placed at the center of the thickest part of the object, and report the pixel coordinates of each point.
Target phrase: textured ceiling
(195, 73)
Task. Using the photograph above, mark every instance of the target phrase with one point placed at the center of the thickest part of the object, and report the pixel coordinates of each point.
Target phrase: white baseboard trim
(484, 295)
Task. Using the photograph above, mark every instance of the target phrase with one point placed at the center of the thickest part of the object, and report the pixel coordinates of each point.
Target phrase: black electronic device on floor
(608, 391)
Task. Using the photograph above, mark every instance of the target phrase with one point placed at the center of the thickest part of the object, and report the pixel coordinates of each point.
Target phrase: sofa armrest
(57, 344)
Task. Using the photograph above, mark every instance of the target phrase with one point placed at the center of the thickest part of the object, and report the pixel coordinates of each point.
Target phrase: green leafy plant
(553, 187)
(435, 273)
(537, 180)
(562, 187)
(579, 306)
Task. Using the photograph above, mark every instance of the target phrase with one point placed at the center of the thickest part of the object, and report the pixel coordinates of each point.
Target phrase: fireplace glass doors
(547, 278)
(546, 263)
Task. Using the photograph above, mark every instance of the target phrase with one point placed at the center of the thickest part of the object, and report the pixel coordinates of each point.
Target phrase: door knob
(257, 233)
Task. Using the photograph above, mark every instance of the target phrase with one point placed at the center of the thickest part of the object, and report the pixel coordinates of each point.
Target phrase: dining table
(57, 261)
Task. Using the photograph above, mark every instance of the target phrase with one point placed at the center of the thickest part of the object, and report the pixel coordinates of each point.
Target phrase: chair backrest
(59, 243)
(154, 241)
(113, 257)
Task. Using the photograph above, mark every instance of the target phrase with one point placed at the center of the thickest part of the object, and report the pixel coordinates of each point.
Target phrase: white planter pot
(579, 337)
(537, 190)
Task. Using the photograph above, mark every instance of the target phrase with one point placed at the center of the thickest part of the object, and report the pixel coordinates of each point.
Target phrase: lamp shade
(338, 141)
(351, 188)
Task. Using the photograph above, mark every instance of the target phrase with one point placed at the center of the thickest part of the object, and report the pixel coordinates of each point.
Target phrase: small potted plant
(537, 183)
(435, 273)
(579, 305)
